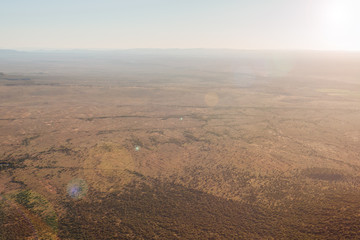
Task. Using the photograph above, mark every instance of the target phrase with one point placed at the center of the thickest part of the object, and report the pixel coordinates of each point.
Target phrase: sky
(230, 24)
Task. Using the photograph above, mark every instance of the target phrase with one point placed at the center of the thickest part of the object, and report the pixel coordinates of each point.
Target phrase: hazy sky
(240, 24)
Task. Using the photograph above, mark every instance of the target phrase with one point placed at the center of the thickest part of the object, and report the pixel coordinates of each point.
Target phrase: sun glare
(338, 23)
(337, 14)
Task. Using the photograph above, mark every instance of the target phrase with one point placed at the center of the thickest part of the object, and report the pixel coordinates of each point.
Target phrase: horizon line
(180, 49)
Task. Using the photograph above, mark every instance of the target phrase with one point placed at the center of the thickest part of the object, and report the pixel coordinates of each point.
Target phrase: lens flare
(77, 188)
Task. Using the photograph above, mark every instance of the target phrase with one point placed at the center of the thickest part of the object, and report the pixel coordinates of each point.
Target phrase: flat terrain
(179, 144)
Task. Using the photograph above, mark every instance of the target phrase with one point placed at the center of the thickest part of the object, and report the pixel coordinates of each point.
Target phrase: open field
(179, 144)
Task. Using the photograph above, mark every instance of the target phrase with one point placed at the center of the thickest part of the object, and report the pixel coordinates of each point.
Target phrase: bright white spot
(137, 148)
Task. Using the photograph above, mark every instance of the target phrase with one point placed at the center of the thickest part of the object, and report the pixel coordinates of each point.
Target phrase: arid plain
(179, 144)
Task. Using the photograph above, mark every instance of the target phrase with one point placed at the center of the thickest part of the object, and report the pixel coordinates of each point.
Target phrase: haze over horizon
(230, 24)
